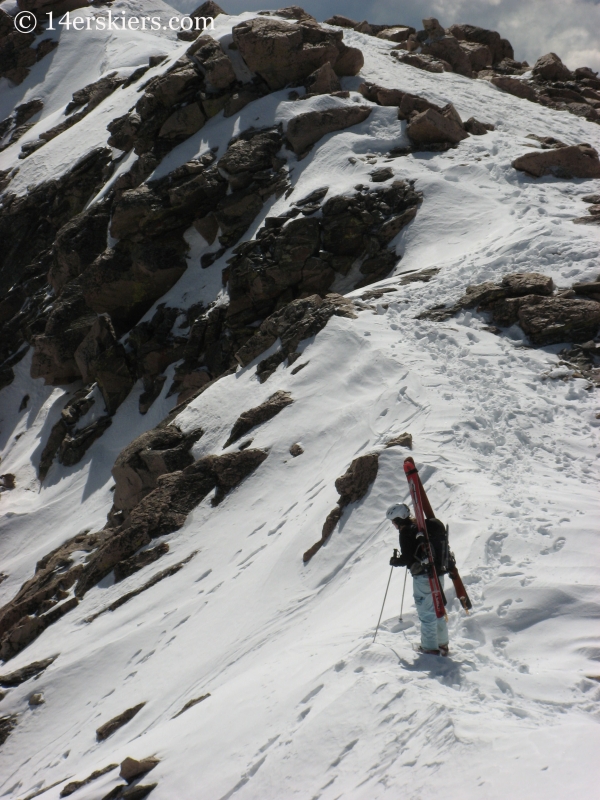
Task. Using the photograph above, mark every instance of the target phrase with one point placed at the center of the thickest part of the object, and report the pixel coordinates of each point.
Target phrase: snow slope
(302, 703)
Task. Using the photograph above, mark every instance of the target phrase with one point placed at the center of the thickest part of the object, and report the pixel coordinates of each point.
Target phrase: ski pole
(384, 598)
(403, 590)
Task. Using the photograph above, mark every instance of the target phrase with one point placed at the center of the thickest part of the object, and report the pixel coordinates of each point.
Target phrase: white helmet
(398, 510)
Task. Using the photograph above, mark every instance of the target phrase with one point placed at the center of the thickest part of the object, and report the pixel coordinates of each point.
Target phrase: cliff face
(242, 274)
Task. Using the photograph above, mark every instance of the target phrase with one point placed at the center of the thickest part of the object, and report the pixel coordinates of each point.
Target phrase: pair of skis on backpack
(423, 512)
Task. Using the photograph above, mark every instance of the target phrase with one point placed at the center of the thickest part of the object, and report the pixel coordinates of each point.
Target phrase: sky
(570, 28)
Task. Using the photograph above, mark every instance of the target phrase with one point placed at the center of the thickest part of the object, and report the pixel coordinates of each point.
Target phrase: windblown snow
(301, 702)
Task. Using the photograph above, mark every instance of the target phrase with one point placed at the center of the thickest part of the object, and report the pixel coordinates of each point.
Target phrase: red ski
(459, 586)
(414, 485)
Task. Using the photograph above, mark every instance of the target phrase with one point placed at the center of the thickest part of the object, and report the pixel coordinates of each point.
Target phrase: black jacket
(412, 552)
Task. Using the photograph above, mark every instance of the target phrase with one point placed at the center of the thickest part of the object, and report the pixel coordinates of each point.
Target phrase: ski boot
(424, 651)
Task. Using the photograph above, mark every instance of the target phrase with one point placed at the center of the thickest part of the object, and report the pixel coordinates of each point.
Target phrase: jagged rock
(139, 465)
(403, 440)
(54, 202)
(397, 34)
(191, 703)
(94, 93)
(446, 48)
(7, 481)
(183, 122)
(18, 123)
(526, 299)
(306, 129)
(499, 48)
(546, 142)
(197, 189)
(54, 575)
(381, 174)
(323, 81)
(101, 358)
(551, 68)
(131, 768)
(76, 443)
(23, 674)
(156, 578)
(215, 64)
(352, 486)
(77, 244)
(108, 728)
(286, 258)
(576, 161)
(431, 127)
(73, 786)
(381, 95)
(515, 87)
(207, 9)
(36, 699)
(258, 415)
(412, 104)
(17, 55)
(248, 93)
(341, 21)
(7, 723)
(479, 55)
(520, 284)
(297, 321)
(28, 628)
(282, 53)
(549, 320)
(476, 128)
(90, 96)
(588, 289)
(165, 509)
(502, 299)
(140, 560)
(251, 152)
(54, 351)
(355, 482)
(432, 30)
(350, 61)
(422, 61)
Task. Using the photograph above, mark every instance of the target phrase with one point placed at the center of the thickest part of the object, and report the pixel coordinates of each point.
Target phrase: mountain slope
(302, 703)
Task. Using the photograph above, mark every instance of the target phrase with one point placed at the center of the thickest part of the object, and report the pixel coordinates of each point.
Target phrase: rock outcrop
(297, 321)
(283, 54)
(576, 161)
(430, 127)
(258, 416)
(306, 129)
(289, 259)
(108, 728)
(139, 466)
(527, 299)
(17, 55)
(46, 597)
(352, 486)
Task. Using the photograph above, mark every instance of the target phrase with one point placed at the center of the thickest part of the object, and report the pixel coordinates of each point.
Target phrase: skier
(434, 631)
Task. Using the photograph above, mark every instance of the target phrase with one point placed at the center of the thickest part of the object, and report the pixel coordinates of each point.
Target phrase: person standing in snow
(434, 631)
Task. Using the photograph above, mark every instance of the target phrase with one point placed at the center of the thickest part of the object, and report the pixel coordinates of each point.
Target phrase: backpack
(438, 538)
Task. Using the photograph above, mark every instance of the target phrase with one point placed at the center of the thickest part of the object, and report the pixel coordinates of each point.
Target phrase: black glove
(397, 561)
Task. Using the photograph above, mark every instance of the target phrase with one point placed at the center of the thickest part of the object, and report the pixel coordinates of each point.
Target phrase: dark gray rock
(258, 416)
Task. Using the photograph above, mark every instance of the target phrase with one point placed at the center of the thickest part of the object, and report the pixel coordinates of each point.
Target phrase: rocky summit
(250, 263)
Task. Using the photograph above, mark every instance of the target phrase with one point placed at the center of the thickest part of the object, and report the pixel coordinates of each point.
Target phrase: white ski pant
(434, 631)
